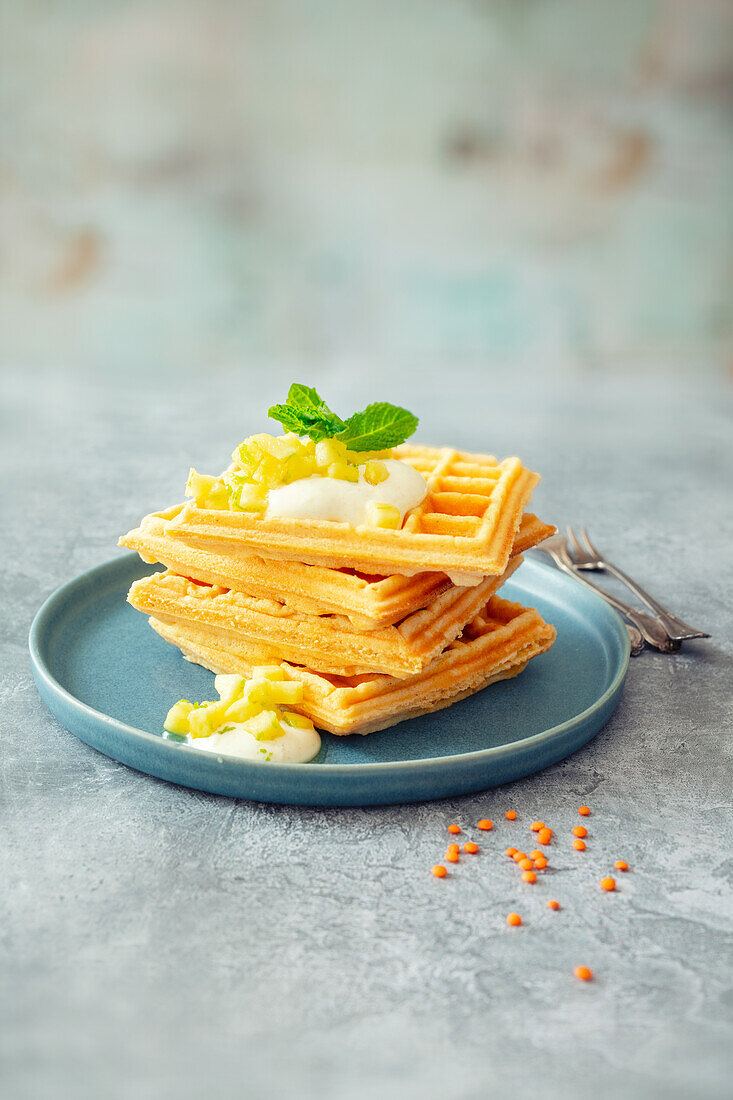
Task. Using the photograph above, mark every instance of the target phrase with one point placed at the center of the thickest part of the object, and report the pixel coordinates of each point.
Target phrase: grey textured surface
(158, 942)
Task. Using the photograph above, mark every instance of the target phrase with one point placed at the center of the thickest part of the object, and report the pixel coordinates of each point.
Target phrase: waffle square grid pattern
(465, 527)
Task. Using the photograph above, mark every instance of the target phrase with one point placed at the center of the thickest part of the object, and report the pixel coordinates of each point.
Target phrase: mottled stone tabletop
(158, 942)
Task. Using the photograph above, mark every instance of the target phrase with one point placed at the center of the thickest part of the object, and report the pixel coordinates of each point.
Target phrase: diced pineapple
(287, 691)
(298, 466)
(199, 486)
(244, 458)
(229, 686)
(329, 451)
(176, 720)
(270, 472)
(342, 471)
(382, 515)
(275, 446)
(375, 472)
(251, 498)
(268, 672)
(265, 726)
(198, 722)
(299, 721)
(241, 710)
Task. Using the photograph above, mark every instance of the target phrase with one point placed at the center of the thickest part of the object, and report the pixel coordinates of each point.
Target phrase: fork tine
(576, 545)
(589, 544)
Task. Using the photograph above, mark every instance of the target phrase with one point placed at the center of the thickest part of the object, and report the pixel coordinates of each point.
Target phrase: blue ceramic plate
(110, 679)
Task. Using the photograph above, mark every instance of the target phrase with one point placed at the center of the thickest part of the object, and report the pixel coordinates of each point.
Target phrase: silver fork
(588, 557)
(649, 628)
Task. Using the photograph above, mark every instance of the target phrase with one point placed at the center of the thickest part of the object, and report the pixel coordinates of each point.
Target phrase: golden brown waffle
(497, 645)
(465, 527)
(369, 602)
(328, 643)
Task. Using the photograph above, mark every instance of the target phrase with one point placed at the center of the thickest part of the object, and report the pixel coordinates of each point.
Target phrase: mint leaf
(306, 413)
(308, 401)
(378, 427)
(291, 419)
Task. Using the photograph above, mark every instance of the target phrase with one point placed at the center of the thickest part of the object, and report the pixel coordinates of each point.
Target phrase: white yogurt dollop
(346, 501)
(296, 746)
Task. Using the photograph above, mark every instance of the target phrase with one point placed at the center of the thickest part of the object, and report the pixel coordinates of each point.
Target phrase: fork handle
(671, 623)
(650, 628)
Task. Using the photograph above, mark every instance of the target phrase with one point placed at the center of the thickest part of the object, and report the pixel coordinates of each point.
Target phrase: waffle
(498, 644)
(327, 643)
(465, 527)
(369, 602)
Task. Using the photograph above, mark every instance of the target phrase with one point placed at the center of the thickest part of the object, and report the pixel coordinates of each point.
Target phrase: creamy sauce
(346, 501)
(296, 746)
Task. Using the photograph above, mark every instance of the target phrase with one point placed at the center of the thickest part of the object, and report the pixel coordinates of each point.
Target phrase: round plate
(110, 679)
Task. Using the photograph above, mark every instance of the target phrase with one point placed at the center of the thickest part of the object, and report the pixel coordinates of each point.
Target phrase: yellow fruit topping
(177, 718)
(375, 472)
(264, 462)
(252, 703)
(342, 471)
(265, 726)
(251, 498)
(382, 515)
(208, 492)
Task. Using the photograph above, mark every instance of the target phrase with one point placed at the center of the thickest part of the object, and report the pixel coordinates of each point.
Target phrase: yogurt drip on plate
(296, 746)
(345, 501)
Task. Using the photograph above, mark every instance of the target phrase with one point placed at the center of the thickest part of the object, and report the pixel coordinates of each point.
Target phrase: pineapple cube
(298, 466)
(199, 486)
(329, 451)
(382, 515)
(375, 472)
(176, 720)
(298, 721)
(199, 722)
(229, 686)
(265, 726)
(241, 710)
(342, 471)
(252, 498)
(268, 672)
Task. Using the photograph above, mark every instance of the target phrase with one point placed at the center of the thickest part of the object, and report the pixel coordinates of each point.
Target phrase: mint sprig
(306, 413)
(378, 427)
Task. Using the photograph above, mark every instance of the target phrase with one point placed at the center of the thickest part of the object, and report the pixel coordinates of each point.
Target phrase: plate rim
(52, 605)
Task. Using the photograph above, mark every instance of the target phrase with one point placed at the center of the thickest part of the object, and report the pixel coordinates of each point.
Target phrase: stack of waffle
(379, 625)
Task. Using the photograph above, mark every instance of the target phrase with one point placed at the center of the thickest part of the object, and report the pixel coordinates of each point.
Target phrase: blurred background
(541, 184)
